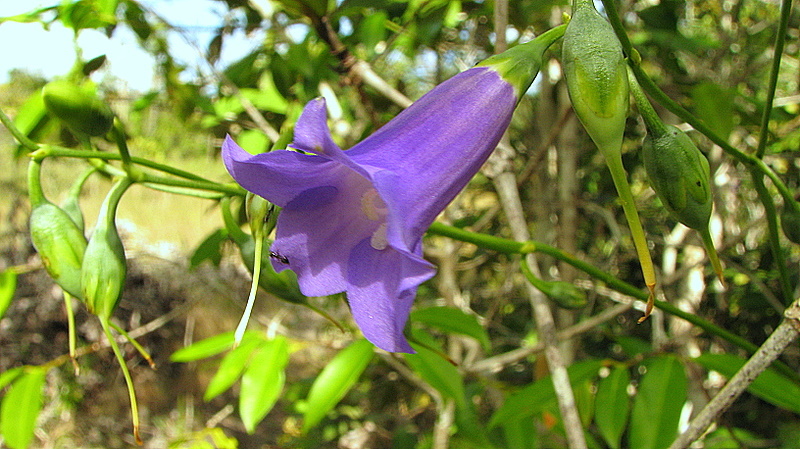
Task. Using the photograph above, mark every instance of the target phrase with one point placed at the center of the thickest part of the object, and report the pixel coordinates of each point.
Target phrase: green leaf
(8, 285)
(209, 249)
(206, 348)
(612, 414)
(658, 403)
(6, 377)
(231, 368)
(20, 408)
(539, 395)
(770, 385)
(262, 382)
(451, 319)
(335, 380)
(438, 372)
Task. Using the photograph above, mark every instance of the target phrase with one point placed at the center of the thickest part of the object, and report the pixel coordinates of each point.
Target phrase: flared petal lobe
(353, 220)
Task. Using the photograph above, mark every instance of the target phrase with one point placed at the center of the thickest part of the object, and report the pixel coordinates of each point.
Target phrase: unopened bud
(78, 106)
(104, 266)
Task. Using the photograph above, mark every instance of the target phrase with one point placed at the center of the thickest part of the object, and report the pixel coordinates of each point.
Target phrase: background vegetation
(481, 378)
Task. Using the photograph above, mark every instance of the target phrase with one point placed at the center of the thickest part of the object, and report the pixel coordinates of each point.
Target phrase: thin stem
(511, 247)
(71, 329)
(780, 38)
(122, 145)
(128, 380)
(251, 299)
(57, 151)
(35, 193)
(774, 235)
(18, 135)
(135, 344)
(651, 119)
(614, 162)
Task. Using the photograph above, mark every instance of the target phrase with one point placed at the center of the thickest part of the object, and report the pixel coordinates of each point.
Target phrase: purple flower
(353, 220)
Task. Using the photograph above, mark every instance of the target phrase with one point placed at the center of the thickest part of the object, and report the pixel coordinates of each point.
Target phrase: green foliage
(333, 383)
(658, 403)
(8, 285)
(613, 406)
(452, 320)
(21, 406)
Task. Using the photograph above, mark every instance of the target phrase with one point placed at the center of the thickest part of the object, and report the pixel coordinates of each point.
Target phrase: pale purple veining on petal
(353, 220)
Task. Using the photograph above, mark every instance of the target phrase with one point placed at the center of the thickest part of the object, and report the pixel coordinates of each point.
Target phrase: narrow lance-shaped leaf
(335, 380)
(262, 382)
(613, 406)
(20, 408)
(658, 403)
(8, 285)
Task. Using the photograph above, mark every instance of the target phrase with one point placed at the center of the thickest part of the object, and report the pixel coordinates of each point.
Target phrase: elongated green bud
(594, 70)
(57, 239)
(678, 172)
(597, 82)
(564, 294)
(78, 106)
(104, 266)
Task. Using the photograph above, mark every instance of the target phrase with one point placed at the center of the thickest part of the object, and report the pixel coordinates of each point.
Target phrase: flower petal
(311, 132)
(382, 286)
(279, 176)
(318, 229)
(436, 145)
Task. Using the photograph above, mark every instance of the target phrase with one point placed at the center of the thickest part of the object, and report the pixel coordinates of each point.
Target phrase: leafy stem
(511, 247)
(780, 39)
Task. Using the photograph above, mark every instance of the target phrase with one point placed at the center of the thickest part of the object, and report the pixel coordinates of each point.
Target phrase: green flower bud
(520, 65)
(790, 222)
(680, 176)
(104, 266)
(78, 106)
(261, 214)
(564, 294)
(678, 172)
(57, 239)
(594, 70)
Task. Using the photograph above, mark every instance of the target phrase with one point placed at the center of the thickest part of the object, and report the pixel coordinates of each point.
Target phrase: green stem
(512, 247)
(234, 231)
(251, 299)
(128, 380)
(774, 235)
(659, 96)
(18, 135)
(614, 162)
(71, 329)
(35, 193)
(122, 145)
(780, 38)
(57, 151)
(651, 119)
(108, 210)
(135, 344)
(711, 251)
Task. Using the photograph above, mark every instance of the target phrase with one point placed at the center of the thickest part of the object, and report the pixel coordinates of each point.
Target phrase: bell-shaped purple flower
(353, 220)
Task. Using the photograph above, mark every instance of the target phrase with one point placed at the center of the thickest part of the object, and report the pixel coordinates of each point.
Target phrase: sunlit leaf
(658, 403)
(20, 408)
(231, 368)
(208, 347)
(8, 285)
(262, 382)
(335, 380)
